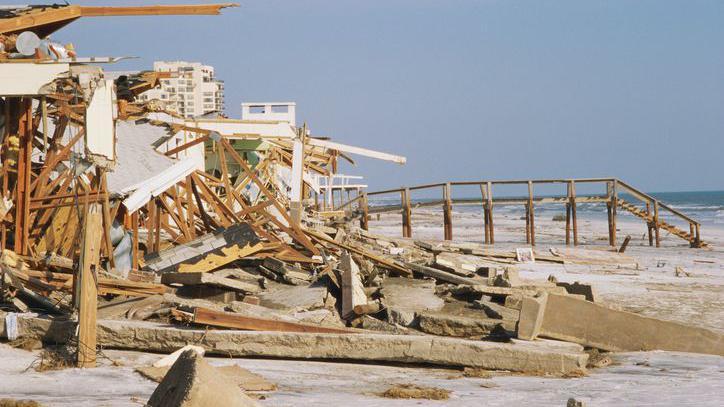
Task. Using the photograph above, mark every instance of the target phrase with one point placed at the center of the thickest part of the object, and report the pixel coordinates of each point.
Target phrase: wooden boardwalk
(641, 205)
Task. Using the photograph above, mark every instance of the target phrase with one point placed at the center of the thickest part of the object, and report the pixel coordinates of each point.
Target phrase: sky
(467, 90)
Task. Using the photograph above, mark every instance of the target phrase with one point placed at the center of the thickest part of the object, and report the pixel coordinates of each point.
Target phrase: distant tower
(193, 91)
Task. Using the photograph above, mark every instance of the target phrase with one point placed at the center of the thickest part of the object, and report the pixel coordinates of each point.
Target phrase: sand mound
(192, 382)
(411, 391)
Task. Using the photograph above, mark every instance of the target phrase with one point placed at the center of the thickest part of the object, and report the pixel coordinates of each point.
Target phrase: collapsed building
(127, 221)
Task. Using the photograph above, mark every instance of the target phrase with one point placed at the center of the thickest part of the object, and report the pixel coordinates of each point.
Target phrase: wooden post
(491, 226)
(692, 238)
(5, 172)
(656, 223)
(447, 212)
(22, 201)
(527, 222)
(568, 214)
(150, 223)
(157, 226)
(649, 223)
(484, 194)
(574, 218)
(134, 222)
(363, 222)
(531, 213)
(698, 235)
(406, 213)
(88, 295)
(107, 221)
(609, 211)
(614, 209)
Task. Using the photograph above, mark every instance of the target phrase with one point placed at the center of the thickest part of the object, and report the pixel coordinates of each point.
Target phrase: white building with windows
(191, 91)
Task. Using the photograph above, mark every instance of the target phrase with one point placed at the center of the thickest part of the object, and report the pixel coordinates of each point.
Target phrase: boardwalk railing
(650, 211)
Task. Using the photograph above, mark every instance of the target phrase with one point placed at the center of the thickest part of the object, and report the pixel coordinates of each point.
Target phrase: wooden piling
(649, 224)
(531, 214)
(364, 220)
(568, 214)
(447, 212)
(491, 226)
(614, 209)
(406, 213)
(485, 214)
(656, 224)
(574, 218)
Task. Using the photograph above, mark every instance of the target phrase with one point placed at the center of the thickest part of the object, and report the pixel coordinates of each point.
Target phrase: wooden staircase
(652, 222)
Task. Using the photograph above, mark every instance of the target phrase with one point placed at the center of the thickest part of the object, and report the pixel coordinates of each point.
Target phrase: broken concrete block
(400, 316)
(571, 319)
(192, 382)
(497, 311)
(531, 316)
(509, 278)
(460, 326)
(577, 288)
(404, 297)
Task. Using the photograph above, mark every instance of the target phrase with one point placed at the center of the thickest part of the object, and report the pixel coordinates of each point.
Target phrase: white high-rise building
(193, 91)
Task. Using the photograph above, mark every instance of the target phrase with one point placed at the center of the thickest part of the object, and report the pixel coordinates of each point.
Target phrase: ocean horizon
(707, 207)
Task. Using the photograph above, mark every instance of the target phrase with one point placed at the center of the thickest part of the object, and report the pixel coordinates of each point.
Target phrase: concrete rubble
(133, 244)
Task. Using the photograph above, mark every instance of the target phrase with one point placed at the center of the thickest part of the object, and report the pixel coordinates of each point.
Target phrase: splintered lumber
(88, 292)
(202, 278)
(441, 275)
(219, 257)
(64, 282)
(209, 317)
(577, 320)
(207, 252)
(375, 258)
(353, 293)
(537, 357)
(155, 10)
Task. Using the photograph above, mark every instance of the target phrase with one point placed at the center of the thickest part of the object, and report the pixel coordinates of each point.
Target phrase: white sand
(640, 379)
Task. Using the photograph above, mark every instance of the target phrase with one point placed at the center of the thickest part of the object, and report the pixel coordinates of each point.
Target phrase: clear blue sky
(468, 89)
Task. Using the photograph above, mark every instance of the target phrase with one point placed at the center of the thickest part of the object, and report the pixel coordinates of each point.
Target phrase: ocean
(707, 207)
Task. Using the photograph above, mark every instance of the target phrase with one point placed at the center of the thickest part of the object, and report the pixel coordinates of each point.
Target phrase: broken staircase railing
(651, 211)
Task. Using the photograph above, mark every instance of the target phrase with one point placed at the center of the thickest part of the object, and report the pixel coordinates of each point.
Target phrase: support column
(22, 201)
(406, 213)
(531, 213)
(574, 218)
(88, 295)
(447, 212)
(656, 224)
(649, 224)
(568, 214)
(614, 209)
(363, 222)
(483, 193)
(491, 226)
(295, 201)
(134, 248)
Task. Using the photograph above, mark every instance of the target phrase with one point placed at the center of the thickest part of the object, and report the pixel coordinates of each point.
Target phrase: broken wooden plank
(203, 278)
(441, 275)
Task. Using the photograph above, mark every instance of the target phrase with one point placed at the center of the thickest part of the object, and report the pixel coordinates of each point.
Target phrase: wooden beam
(88, 295)
(163, 10)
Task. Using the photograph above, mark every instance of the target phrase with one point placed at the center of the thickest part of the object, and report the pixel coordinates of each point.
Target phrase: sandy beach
(648, 286)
